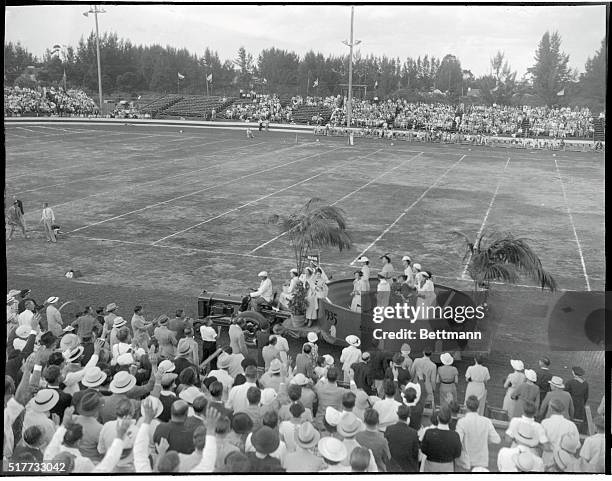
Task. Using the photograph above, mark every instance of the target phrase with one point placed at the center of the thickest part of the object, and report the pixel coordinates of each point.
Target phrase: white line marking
(250, 203)
(484, 221)
(347, 195)
(407, 209)
(198, 191)
(115, 172)
(164, 179)
(569, 213)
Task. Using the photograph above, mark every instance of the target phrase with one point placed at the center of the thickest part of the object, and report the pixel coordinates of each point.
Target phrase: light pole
(351, 43)
(95, 11)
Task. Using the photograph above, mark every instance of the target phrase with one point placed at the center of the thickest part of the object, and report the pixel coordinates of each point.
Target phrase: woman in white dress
(477, 376)
(359, 285)
(365, 269)
(426, 295)
(288, 289)
(313, 301)
(514, 380)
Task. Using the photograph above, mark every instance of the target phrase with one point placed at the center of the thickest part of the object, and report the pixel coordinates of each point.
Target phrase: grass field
(163, 214)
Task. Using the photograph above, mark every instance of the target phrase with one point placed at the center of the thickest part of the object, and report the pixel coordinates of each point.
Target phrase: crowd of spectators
(103, 393)
(259, 107)
(44, 102)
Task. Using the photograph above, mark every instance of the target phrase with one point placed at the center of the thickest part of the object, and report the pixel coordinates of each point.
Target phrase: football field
(154, 207)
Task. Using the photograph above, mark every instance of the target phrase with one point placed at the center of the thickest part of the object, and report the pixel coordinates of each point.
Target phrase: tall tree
(550, 71)
(16, 59)
(593, 81)
(449, 76)
(500, 86)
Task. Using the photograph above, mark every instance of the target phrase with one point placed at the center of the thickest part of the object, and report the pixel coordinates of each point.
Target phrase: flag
(315, 83)
(209, 77)
(561, 93)
(376, 84)
(64, 79)
(139, 97)
(180, 76)
(265, 81)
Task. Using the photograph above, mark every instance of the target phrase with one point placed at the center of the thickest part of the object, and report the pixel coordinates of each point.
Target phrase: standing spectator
(362, 374)
(387, 407)
(54, 317)
(374, 440)
(447, 378)
(166, 339)
(520, 458)
(304, 459)
(237, 398)
(329, 394)
(140, 328)
(526, 392)
(379, 361)
(475, 432)
(236, 337)
(556, 426)
(350, 355)
(178, 324)
(403, 443)
(177, 432)
(441, 445)
(15, 218)
(476, 376)
(47, 220)
(557, 393)
(109, 319)
(209, 342)
(513, 381)
(528, 417)
(543, 375)
(423, 369)
(579, 391)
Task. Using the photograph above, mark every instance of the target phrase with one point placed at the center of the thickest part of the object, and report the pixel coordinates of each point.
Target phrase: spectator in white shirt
(264, 294)
(47, 220)
(475, 432)
(237, 398)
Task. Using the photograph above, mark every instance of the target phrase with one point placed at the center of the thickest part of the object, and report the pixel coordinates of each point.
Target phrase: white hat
(262, 274)
(119, 322)
(294, 271)
(299, 379)
(166, 365)
(332, 449)
(52, 300)
(363, 259)
(68, 328)
(94, 377)
(332, 416)
(122, 382)
(125, 359)
(417, 266)
(557, 382)
(208, 334)
(353, 340)
(275, 366)
(71, 355)
(12, 293)
(69, 342)
(19, 344)
(517, 364)
(45, 400)
(190, 394)
(531, 375)
(329, 359)
(406, 258)
(268, 395)
(446, 359)
(158, 407)
(312, 337)
(23, 332)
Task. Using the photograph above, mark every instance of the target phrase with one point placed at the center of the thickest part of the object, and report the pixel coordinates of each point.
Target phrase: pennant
(180, 76)
(209, 77)
(315, 83)
(561, 93)
(376, 84)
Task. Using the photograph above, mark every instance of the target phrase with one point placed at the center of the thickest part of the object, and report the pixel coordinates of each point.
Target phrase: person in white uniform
(289, 289)
(264, 294)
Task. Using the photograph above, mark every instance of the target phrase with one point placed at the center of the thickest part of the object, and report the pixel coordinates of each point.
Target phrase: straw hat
(268, 395)
(299, 379)
(189, 394)
(94, 377)
(525, 434)
(166, 365)
(523, 461)
(307, 436)
(363, 259)
(275, 366)
(111, 307)
(332, 416)
(158, 407)
(332, 449)
(517, 364)
(349, 425)
(71, 355)
(312, 337)
(125, 359)
(69, 342)
(122, 382)
(557, 382)
(531, 375)
(353, 340)
(23, 332)
(446, 359)
(119, 322)
(329, 359)
(45, 400)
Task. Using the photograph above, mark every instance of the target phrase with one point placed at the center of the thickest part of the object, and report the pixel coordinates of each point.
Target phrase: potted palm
(312, 226)
(298, 305)
(499, 256)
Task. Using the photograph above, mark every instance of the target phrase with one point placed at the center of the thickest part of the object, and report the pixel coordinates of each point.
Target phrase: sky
(472, 33)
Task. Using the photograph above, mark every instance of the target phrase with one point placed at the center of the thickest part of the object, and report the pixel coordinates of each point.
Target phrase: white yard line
(210, 219)
(569, 213)
(111, 173)
(407, 209)
(162, 179)
(484, 221)
(347, 195)
(231, 181)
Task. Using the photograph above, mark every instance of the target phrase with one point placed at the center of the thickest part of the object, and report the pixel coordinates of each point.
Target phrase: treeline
(130, 68)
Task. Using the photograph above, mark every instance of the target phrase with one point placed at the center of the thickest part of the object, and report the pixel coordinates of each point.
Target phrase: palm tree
(497, 256)
(312, 226)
